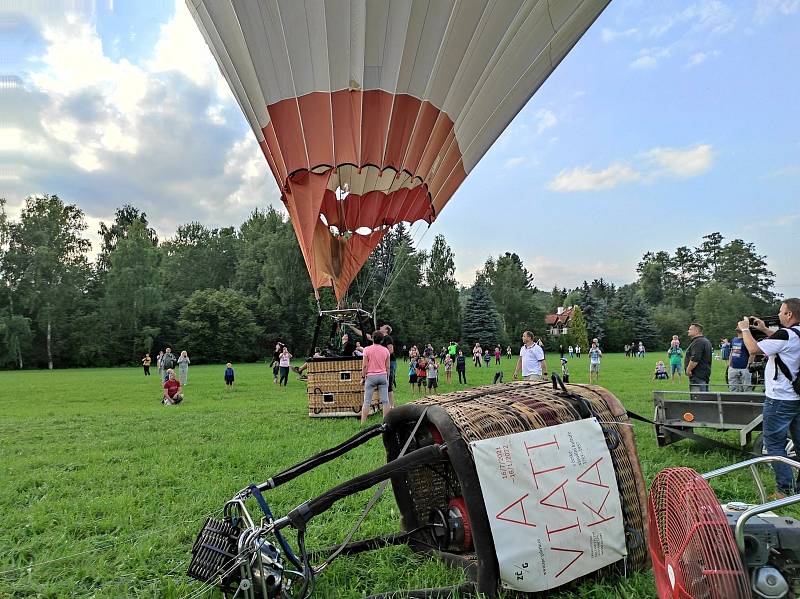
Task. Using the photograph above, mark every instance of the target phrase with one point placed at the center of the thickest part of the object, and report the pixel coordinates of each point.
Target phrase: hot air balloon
(372, 112)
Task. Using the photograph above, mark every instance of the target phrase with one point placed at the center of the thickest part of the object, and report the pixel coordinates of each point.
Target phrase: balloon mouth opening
(336, 232)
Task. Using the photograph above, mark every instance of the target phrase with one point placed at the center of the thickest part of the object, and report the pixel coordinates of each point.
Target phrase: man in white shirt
(531, 360)
(782, 403)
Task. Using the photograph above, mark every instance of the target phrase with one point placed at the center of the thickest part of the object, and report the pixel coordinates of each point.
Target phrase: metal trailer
(718, 409)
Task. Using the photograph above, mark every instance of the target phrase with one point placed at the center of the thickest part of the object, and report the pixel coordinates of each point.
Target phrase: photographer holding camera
(782, 404)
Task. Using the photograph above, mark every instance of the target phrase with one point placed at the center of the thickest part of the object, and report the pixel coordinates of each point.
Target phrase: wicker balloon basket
(460, 418)
(334, 388)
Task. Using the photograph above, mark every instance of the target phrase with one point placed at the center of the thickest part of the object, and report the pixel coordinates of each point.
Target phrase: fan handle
(765, 506)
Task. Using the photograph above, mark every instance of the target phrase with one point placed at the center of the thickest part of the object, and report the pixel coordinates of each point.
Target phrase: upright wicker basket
(486, 412)
(334, 388)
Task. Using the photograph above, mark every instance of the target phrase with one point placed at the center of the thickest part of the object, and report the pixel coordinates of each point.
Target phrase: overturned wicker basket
(462, 417)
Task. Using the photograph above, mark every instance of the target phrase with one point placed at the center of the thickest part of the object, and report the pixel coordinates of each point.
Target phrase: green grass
(102, 489)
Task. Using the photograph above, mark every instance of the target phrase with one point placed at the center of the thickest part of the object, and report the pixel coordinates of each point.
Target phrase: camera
(770, 321)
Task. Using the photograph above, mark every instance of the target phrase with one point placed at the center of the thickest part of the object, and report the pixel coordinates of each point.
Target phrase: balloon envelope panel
(372, 112)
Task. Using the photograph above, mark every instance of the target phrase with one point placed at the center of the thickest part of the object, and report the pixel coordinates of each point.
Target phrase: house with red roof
(558, 323)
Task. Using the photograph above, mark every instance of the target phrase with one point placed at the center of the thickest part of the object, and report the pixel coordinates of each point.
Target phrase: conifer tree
(577, 329)
(481, 321)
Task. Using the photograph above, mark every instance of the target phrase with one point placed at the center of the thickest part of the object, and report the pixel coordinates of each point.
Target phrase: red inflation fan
(693, 550)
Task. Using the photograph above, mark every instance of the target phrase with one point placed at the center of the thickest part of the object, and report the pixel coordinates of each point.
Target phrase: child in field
(412, 373)
(564, 370)
(283, 363)
(487, 358)
(433, 374)
(448, 368)
(229, 376)
(661, 371)
(422, 373)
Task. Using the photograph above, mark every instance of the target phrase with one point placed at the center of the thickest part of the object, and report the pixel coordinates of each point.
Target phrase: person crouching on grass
(375, 375)
(229, 376)
(172, 390)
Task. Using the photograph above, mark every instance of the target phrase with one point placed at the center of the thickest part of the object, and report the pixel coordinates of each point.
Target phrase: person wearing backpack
(781, 385)
(168, 361)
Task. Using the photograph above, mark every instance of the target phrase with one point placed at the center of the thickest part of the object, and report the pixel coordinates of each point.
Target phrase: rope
(107, 545)
(400, 270)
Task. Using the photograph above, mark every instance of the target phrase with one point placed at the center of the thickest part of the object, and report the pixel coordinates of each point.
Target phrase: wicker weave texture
(505, 409)
(334, 388)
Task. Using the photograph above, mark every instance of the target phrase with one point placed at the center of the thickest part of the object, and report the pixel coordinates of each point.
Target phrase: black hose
(323, 457)
(303, 513)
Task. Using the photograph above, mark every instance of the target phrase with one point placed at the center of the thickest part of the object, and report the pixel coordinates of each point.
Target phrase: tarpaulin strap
(706, 441)
(262, 503)
(580, 404)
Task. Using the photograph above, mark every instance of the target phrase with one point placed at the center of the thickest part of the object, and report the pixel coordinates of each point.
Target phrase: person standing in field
(167, 361)
(160, 366)
(577, 351)
(448, 368)
(781, 385)
(508, 352)
(276, 358)
(595, 355)
(738, 362)
(497, 355)
(183, 368)
(146, 364)
(571, 352)
(531, 361)
(433, 375)
(477, 352)
(461, 367)
(229, 376)
(452, 350)
(487, 358)
(698, 359)
(675, 354)
(172, 390)
(375, 375)
(283, 364)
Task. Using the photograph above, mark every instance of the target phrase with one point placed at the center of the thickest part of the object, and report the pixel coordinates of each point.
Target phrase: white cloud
(787, 219)
(681, 162)
(765, 9)
(586, 179)
(610, 35)
(649, 57)
(645, 167)
(105, 131)
(513, 162)
(706, 16)
(644, 62)
(545, 119)
(699, 58)
(789, 170)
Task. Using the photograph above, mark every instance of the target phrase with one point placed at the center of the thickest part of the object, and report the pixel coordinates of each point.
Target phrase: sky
(667, 121)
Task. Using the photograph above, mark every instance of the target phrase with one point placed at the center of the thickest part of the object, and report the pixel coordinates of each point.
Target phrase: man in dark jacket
(697, 361)
(168, 360)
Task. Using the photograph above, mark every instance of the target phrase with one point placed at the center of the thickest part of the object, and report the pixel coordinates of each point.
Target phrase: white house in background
(558, 323)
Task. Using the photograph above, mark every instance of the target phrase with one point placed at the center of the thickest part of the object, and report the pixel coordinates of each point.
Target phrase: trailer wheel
(759, 449)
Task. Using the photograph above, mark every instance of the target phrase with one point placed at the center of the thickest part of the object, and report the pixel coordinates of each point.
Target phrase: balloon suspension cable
(397, 272)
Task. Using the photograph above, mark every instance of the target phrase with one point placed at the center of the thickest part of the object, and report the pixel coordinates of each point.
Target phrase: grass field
(104, 489)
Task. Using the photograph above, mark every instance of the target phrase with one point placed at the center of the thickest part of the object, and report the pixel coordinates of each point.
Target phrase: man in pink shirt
(375, 375)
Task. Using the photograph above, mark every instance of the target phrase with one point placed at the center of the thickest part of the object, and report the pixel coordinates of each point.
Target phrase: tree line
(230, 293)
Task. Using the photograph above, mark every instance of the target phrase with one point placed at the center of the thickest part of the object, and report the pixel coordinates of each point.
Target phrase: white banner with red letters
(553, 504)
